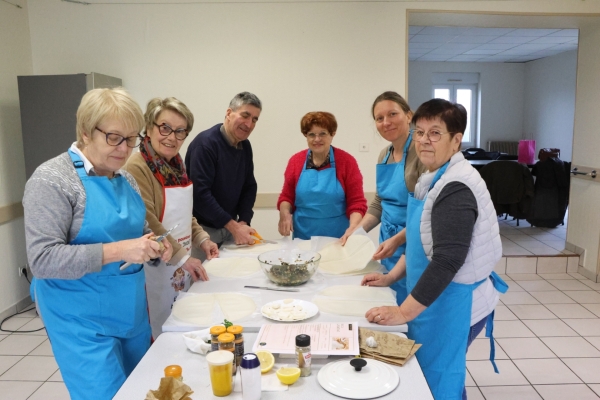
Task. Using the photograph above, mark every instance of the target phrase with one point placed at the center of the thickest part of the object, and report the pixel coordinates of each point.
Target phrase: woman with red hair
(323, 190)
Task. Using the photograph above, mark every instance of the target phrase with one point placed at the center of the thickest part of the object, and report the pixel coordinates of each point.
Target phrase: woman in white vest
(168, 195)
(453, 244)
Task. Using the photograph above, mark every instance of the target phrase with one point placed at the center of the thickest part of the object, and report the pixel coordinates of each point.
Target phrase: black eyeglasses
(114, 139)
(433, 135)
(166, 130)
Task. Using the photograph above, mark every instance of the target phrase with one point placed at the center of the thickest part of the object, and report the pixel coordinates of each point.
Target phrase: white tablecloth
(253, 322)
(169, 349)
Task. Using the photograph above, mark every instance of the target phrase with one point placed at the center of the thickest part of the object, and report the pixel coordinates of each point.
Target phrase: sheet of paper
(325, 338)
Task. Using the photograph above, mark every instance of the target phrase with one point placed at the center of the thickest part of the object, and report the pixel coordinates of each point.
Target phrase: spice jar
(215, 331)
(303, 356)
(226, 343)
(174, 371)
(237, 330)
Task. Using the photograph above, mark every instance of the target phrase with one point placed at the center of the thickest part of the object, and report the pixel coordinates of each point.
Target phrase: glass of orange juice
(220, 367)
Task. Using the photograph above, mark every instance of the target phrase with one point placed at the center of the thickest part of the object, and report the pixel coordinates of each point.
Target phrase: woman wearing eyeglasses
(322, 193)
(168, 194)
(453, 243)
(84, 217)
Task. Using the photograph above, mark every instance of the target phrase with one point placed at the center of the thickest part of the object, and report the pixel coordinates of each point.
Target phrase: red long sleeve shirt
(347, 173)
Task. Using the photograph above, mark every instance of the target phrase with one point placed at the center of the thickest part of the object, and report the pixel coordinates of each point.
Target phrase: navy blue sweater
(223, 177)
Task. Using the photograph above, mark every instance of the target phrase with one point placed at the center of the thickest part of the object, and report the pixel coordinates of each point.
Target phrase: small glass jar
(237, 330)
(174, 371)
(303, 356)
(215, 331)
(226, 343)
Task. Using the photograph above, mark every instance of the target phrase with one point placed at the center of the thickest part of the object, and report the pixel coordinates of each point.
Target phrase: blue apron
(391, 188)
(443, 327)
(98, 324)
(320, 203)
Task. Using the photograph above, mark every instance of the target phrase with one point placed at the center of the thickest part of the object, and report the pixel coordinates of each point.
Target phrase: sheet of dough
(196, 309)
(199, 309)
(353, 300)
(235, 306)
(354, 256)
(372, 266)
(255, 249)
(232, 267)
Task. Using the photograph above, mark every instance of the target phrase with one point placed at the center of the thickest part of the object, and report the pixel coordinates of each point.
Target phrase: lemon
(288, 375)
(266, 360)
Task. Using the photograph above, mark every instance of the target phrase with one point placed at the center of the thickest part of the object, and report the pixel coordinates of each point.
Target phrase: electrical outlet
(20, 271)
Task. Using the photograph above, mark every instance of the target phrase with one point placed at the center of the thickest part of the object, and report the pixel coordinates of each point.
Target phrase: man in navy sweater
(219, 163)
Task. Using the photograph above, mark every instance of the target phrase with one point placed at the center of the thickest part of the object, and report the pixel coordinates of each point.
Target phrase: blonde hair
(158, 105)
(97, 105)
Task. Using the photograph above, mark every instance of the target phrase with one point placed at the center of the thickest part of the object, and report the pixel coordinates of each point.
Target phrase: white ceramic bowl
(289, 267)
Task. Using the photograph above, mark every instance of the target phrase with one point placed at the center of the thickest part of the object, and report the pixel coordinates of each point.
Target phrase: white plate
(374, 380)
(309, 309)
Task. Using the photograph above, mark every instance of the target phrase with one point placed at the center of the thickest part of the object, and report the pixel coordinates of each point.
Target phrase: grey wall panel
(48, 115)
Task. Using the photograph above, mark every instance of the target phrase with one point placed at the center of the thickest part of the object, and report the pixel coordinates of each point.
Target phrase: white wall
(584, 219)
(550, 102)
(16, 60)
(501, 87)
(296, 57)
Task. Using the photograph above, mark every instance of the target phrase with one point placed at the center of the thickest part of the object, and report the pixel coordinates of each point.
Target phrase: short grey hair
(241, 99)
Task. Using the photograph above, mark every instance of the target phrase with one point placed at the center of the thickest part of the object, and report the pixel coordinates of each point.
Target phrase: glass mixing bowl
(289, 267)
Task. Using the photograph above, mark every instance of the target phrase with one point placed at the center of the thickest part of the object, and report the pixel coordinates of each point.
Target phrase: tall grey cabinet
(48, 108)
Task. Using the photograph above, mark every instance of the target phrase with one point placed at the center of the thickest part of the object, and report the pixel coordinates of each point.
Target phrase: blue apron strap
(502, 287)
(489, 332)
(78, 164)
(387, 156)
(498, 283)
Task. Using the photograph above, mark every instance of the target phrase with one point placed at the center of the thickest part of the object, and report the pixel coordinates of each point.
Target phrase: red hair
(320, 118)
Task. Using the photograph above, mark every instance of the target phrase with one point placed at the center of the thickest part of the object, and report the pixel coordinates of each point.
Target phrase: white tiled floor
(547, 346)
(547, 341)
(525, 240)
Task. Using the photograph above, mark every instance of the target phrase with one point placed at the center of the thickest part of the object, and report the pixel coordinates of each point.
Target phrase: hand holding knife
(157, 239)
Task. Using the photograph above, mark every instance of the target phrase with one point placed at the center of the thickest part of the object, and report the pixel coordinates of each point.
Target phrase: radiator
(504, 147)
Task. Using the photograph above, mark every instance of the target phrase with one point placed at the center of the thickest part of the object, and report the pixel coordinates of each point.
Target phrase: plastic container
(215, 331)
(236, 331)
(251, 376)
(303, 356)
(220, 363)
(226, 344)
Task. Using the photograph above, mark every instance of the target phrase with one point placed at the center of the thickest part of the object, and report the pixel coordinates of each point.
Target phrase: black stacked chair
(511, 188)
(551, 192)
(475, 153)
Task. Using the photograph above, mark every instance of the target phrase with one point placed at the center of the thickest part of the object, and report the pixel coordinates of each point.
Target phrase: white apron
(164, 282)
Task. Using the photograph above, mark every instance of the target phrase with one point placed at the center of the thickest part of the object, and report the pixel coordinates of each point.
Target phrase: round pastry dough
(199, 309)
(254, 249)
(232, 267)
(354, 256)
(353, 300)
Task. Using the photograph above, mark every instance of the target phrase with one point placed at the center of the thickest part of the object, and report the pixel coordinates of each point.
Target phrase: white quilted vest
(486, 246)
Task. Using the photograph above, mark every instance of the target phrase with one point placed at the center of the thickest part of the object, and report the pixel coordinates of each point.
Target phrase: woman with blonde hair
(168, 195)
(84, 218)
(398, 168)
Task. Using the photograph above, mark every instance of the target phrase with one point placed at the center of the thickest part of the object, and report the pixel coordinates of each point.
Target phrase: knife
(268, 288)
(158, 240)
